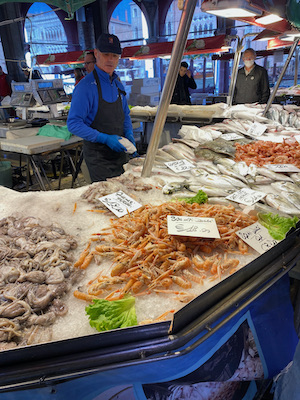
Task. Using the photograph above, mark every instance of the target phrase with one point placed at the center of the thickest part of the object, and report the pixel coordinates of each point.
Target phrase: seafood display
(146, 259)
(36, 271)
(130, 183)
(135, 254)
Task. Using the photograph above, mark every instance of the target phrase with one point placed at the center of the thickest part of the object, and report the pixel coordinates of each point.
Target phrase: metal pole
(270, 101)
(236, 62)
(176, 56)
(237, 57)
(296, 66)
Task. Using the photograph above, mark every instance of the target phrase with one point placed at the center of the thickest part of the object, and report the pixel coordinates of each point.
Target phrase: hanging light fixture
(230, 8)
(268, 19)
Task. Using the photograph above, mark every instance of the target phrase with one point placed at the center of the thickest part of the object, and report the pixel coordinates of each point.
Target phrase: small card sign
(282, 167)
(297, 137)
(256, 129)
(258, 237)
(231, 136)
(119, 203)
(192, 226)
(179, 165)
(246, 196)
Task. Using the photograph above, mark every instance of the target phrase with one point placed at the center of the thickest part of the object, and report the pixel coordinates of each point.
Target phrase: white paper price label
(119, 203)
(256, 129)
(282, 167)
(297, 137)
(231, 136)
(192, 226)
(179, 165)
(258, 237)
(246, 196)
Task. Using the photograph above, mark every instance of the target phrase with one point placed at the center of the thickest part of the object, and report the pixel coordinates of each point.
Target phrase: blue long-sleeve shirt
(84, 104)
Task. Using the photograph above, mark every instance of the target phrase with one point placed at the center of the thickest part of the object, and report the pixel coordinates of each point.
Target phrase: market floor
(19, 184)
(50, 180)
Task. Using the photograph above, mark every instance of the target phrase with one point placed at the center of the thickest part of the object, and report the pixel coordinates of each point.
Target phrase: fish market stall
(194, 298)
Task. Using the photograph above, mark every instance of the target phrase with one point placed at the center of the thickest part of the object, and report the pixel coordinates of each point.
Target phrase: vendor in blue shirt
(99, 113)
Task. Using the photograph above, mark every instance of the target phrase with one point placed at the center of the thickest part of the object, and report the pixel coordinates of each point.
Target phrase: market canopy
(70, 6)
(71, 57)
(214, 44)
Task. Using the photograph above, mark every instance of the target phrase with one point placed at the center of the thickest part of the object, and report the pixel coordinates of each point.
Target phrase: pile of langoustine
(145, 258)
(265, 152)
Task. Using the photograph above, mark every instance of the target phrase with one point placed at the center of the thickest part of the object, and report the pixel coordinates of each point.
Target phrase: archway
(44, 32)
(128, 22)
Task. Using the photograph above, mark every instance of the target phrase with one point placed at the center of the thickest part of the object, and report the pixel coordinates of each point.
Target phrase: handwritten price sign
(258, 237)
(179, 165)
(246, 196)
(119, 203)
(283, 167)
(192, 226)
(256, 129)
(231, 136)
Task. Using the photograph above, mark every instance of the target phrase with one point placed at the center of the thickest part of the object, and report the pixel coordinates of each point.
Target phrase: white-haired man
(252, 83)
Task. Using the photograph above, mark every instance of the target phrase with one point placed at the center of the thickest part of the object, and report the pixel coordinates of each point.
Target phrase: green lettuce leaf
(200, 197)
(105, 315)
(277, 226)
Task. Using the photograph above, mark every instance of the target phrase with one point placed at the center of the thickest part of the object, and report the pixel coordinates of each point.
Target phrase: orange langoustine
(266, 152)
(147, 259)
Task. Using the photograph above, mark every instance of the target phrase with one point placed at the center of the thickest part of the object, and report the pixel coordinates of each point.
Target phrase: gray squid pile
(36, 271)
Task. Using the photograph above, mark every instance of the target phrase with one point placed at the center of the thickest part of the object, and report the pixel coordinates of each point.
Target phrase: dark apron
(101, 160)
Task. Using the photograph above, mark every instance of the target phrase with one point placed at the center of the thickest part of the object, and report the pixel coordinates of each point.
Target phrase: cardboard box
(133, 99)
(149, 90)
(147, 100)
(145, 82)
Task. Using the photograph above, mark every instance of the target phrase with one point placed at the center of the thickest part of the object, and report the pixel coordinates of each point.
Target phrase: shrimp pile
(261, 152)
(147, 259)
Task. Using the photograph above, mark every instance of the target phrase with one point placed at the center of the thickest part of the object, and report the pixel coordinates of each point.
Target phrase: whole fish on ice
(276, 176)
(280, 203)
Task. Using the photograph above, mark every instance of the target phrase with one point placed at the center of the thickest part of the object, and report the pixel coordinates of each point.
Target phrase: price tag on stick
(179, 165)
(256, 129)
(231, 136)
(258, 237)
(282, 167)
(119, 203)
(246, 196)
(192, 226)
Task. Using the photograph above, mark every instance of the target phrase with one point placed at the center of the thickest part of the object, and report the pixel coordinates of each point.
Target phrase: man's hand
(188, 72)
(112, 141)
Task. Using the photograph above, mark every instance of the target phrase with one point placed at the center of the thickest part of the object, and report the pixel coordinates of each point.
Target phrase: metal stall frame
(273, 94)
(176, 56)
(236, 62)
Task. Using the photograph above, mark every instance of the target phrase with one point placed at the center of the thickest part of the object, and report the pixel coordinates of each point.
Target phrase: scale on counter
(49, 92)
(38, 100)
(39, 93)
(22, 94)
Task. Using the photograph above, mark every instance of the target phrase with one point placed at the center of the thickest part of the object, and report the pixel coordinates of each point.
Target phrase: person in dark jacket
(78, 75)
(252, 83)
(99, 113)
(185, 80)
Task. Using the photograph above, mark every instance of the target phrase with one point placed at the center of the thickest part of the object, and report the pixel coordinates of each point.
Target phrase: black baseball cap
(108, 43)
